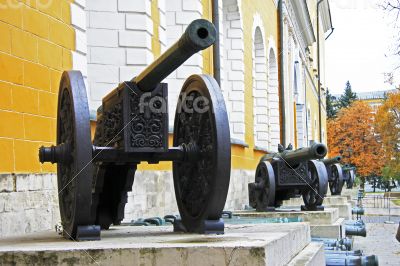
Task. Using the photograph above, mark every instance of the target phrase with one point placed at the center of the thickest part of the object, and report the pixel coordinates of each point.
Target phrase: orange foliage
(352, 135)
(387, 124)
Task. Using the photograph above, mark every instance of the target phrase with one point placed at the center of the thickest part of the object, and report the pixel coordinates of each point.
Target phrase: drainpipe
(319, 75)
(329, 35)
(216, 46)
(281, 76)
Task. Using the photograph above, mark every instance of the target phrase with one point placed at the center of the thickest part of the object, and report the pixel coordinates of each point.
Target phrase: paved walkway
(380, 241)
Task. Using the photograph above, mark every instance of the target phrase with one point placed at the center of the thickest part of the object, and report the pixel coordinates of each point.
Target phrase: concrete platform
(261, 244)
(325, 223)
(339, 202)
(313, 254)
(327, 216)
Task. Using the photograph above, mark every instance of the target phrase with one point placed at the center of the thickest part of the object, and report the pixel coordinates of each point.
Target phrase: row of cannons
(287, 173)
(94, 176)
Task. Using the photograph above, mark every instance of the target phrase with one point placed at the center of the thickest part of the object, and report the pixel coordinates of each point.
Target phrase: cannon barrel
(352, 230)
(338, 243)
(316, 151)
(351, 260)
(199, 35)
(357, 211)
(344, 253)
(333, 160)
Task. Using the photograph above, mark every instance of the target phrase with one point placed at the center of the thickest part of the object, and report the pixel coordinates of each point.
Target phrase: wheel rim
(337, 175)
(318, 185)
(265, 175)
(201, 184)
(74, 177)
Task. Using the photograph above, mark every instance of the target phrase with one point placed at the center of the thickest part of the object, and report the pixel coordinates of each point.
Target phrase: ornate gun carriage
(282, 175)
(335, 174)
(132, 126)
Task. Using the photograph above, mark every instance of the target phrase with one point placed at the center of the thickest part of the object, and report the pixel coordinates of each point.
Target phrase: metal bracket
(88, 233)
(316, 208)
(209, 227)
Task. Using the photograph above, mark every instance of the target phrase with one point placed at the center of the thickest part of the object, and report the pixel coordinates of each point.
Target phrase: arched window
(260, 92)
(233, 77)
(273, 100)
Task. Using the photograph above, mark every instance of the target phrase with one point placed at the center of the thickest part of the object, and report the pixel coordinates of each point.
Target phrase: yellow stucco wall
(247, 158)
(35, 46)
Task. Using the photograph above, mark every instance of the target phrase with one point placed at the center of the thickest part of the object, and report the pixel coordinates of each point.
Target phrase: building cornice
(303, 20)
(326, 17)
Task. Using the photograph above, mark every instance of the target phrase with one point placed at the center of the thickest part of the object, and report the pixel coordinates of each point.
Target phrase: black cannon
(335, 174)
(340, 260)
(345, 253)
(132, 126)
(349, 175)
(351, 230)
(282, 175)
(358, 211)
(354, 222)
(355, 228)
(344, 244)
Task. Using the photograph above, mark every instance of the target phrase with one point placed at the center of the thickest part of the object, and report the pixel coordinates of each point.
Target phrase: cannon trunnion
(282, 175)
(94, 177)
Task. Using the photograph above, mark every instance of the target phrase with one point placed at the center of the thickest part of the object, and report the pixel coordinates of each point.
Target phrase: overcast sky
(359, 50)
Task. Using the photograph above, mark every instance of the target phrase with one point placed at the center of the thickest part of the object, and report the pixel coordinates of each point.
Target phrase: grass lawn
(396, 201)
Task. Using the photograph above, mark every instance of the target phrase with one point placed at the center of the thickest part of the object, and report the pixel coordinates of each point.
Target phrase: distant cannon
(349, 175)
(132, 126)
(335, 174)
(286, 173)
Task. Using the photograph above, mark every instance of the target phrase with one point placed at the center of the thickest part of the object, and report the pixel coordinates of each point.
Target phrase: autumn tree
(387, 124)
(352, 135)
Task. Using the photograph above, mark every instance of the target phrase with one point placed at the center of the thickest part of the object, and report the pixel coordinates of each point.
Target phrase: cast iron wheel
(201, 126)
(265, 187)
(74, 177)
(337, 176)
(315, 192)
(350, 180)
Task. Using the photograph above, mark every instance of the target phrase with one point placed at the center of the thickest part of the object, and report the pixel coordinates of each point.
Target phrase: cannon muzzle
(316, 151)
(333, 160)
(199, 35)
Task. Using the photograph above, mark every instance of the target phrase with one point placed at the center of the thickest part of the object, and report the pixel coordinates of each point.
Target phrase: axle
(60, 153)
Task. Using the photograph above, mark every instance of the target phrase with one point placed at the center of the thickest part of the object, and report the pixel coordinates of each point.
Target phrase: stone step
(344, 210)
(327, 216)
(312, 255)
(334, 230)
(335, 200)
(257, 244)
(328, 201)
